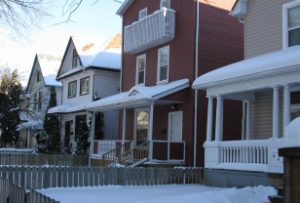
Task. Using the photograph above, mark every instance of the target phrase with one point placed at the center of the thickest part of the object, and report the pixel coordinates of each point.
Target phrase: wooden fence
(38, 177)
(43, 159)
(12, 193)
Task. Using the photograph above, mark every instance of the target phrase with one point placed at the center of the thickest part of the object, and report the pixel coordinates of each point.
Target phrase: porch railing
(111, 157)
(103, 146)
(151, 31)
(169, 151)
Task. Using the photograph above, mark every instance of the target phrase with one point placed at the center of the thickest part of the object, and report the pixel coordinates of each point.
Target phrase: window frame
(161, 3)
(80, 88)
(38, 76)
(141, 11)
(285, 29)
(159, 66)
(70, 96)
(137, 69)
(74, 59)
(40, 101)
(35, 101)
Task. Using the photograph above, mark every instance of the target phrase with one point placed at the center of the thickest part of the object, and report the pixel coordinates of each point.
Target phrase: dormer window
(75, 59)
(142, 13)
(38, 76)
(165, 4)
(291, 24)
(140, 69)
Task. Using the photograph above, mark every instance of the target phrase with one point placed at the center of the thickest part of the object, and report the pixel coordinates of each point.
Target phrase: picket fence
(12, 193)
(43, 159)
(38, 177)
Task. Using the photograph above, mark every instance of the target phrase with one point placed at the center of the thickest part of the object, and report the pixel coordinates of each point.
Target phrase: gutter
(196, 91)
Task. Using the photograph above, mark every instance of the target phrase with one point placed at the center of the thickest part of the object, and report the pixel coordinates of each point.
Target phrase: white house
(90, 71)
(267, 82)
(40, 82)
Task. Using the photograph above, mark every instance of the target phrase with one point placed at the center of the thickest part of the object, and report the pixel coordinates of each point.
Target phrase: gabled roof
(260, 66)
(49, 65)
(124, 7)
(96, 53)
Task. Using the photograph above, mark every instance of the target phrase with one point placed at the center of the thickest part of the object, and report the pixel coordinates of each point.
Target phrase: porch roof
(258, 67)
(66, 108)
(29, 124)
(137, 96)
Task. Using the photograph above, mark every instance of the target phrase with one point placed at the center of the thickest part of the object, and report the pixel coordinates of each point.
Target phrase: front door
(175, 126)
(141, 125)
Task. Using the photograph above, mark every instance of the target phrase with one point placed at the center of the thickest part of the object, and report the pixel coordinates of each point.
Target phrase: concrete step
(276, 199)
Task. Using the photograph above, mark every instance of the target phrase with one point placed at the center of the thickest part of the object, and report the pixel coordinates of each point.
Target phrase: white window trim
(161, 2)
(158, 66)
(141, 11)
(135, 113)
(169, 123)
(137, 70)
(285, 8)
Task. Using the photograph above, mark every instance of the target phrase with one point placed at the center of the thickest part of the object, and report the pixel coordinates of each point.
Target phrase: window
(295, 105)
(163, 65)
(72, 89)
(291, 24)
(143, 13)
(40, 100)
(35, 101)
(84, 86)
(140, 69)
(165, 4)
(38, 76)
(74, 62)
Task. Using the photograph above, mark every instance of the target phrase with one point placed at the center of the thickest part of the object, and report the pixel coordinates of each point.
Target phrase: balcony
(151, 31)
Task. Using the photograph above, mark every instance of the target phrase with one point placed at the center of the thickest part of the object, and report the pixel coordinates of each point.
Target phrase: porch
(145, 143)
(269, 88)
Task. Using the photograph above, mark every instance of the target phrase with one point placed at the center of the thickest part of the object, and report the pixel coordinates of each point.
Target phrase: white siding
(67, 62)
(106, 83)
(111, 125)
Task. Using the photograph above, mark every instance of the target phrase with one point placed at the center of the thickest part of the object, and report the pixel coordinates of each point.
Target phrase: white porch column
(275, 112)
(248, 121)
(218, 132)
(286, 106)
(92, 137)
(209, 119)
(151, 132)
(124, 128)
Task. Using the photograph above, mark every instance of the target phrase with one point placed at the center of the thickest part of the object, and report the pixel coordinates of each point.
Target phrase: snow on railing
(150, 31)
(255, 151)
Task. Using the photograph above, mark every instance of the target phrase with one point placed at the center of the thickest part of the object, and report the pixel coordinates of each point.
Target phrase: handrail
(111, 157)
(135, 156)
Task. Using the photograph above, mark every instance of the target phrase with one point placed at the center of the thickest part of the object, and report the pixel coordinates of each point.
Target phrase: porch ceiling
(139, 96)
(268, 65)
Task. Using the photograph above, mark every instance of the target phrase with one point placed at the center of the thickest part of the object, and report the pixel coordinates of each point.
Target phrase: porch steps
(135, 164)
(277, 198)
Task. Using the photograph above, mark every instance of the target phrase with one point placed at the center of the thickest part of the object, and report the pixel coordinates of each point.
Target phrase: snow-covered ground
(160, 194)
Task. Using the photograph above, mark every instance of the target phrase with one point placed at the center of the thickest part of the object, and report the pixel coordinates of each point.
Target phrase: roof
(137, 95)
(124, 7)
(31, 123)
(96, 53)
(260, 66)
(49, 65)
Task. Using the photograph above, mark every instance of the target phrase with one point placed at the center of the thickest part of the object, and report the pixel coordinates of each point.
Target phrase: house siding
(262, 114)
(104, 79)
(263, 27)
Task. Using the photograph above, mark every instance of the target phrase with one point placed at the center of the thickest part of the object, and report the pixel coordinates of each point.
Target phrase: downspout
(196, 91)
(121, 70)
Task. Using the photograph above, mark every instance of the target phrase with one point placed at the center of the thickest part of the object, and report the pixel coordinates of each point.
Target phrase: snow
(138, 94)
(292, 134)
(49, 65)
(29, 124)
(264, 63)
(110, 58)
(16, 150)
(160, 193)
(66, 108)
(51, 80)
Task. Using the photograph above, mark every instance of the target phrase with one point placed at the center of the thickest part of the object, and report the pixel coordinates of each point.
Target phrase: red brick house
(167, 44)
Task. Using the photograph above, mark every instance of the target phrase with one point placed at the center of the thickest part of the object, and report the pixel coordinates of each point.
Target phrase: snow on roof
(66, 108)
(261, 64)
(23, 116)
(29, 124)
(49, 65)
(138, 95)
(110, 58)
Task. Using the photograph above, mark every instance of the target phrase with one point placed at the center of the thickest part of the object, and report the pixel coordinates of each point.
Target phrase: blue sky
(96, 21)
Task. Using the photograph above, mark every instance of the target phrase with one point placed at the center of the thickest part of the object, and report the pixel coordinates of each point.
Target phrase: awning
(137, 96)
(33, 124)
(66, 108)
(261, 66)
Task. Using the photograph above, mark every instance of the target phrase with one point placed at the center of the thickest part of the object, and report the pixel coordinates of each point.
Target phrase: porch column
(286, 106)
(218, 132)
(151, 132)
(124, 129)
(248, 120)
(92, 137)
(275, 112)
(209, 119)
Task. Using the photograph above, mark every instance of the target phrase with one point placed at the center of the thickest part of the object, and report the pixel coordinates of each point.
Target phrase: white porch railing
(150, 31)
(251, 155)
(103, 146)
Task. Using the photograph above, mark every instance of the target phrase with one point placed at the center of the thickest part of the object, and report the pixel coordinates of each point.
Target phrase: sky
(160, 193)
(94, 21)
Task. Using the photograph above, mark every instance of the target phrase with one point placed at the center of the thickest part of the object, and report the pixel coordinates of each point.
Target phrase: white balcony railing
(103, 146)
(151, 31)
(249, 155)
